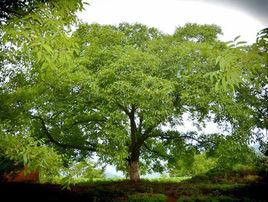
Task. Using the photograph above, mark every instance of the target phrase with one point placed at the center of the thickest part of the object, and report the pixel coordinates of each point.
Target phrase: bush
(149, 197)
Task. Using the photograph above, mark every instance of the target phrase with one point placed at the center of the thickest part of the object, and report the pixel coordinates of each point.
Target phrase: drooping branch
(91, 147)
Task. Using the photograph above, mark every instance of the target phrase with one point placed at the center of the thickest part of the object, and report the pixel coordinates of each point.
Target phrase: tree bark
(133, 163)
(133, 171)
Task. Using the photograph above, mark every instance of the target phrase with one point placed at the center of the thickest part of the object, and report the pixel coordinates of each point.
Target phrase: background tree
(256, 95)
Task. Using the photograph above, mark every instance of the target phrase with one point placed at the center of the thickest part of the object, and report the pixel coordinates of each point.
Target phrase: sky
(235, 17)
(257, 8)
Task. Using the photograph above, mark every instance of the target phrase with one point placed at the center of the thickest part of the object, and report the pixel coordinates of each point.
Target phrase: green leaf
(241, 42)
(25, 159)
(236, 38)
(47, 48)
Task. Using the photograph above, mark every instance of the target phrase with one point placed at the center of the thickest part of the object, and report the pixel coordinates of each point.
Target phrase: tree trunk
(134, 148)
(133, 171)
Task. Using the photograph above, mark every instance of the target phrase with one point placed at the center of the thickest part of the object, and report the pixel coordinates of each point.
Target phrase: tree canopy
(121, 91)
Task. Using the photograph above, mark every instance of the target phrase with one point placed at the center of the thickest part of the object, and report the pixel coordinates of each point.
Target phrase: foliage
(262, 164)
(237, 65)
(262, 41)
(198, 33)
(41, 55)
(10, 9)
(26, 28)
(221, 153)
(25, 150)
(147, 197)
(201, 165)
(230, 151)
(111, 89)
(8, 166)
(20, 151)
(85, 169)
(258, 95)
(35, 41)
(142, 86)
(78, 171)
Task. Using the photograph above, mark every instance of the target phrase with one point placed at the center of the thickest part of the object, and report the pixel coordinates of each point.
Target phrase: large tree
(136, 80)
(112, 89)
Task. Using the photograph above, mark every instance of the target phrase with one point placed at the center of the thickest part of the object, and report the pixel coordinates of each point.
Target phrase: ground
(246, 186)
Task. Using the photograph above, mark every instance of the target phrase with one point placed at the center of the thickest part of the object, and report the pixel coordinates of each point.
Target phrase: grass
(148, 197)
(168, 179)
(94, 181)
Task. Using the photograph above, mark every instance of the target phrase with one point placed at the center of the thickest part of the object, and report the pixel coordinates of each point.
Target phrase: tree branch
(147, 133)
(83, 122)
(124, 109)
(91, 148)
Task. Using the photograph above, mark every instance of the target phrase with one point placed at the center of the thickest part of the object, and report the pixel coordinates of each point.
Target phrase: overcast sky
(236, 17)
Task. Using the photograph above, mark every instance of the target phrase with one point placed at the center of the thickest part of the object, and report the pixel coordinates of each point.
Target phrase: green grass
(147, 197)
(86, 181)
(168, 179)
